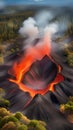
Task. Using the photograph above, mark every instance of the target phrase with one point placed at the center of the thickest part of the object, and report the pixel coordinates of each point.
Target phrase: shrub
(68, 107)
(9, 126)
(12, 118)
(35, 125)
(4, 112)
(22, 127)
(4, 103)
(2, 92)
(18, 115)
(7, 119)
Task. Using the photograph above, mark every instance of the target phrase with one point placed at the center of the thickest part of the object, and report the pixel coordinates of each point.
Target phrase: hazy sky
(48, 2)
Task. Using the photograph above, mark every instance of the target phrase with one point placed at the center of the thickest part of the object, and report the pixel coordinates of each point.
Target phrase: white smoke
(29, 28)
(38, 27)
(43, 18)
(51, 29)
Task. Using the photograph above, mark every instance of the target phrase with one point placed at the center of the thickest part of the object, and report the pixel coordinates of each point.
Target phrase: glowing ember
(21, 67)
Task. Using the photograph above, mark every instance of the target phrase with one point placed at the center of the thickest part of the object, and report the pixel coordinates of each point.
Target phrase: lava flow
(23, 65)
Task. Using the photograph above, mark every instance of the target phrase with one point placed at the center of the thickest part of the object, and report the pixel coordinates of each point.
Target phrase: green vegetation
(35, 125)
(3, 102)
(70, 60)
(10, 24)
(69, 53)
(2, 93)
(17, 121)
(67, 109)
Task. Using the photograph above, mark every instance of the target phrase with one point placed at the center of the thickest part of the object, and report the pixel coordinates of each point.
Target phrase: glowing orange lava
(21, 67)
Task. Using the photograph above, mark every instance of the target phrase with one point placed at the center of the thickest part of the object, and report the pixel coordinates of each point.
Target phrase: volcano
(38, 65)
(41, 77)
(38, 78)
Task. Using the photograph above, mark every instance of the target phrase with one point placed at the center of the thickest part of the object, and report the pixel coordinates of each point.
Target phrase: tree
(67, 109)
(18, 115)
(23, 127)
(7, 119)
(4, 112)
(9, 126)
(35, 125)
(4, 103)
(2, 92)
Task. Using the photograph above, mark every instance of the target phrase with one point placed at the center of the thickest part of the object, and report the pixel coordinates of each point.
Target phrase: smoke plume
(37, 28)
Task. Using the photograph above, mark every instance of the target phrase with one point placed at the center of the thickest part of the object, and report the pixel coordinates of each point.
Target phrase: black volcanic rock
(41, 108)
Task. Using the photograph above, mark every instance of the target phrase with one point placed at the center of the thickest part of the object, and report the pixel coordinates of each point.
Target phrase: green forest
(10, 24)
